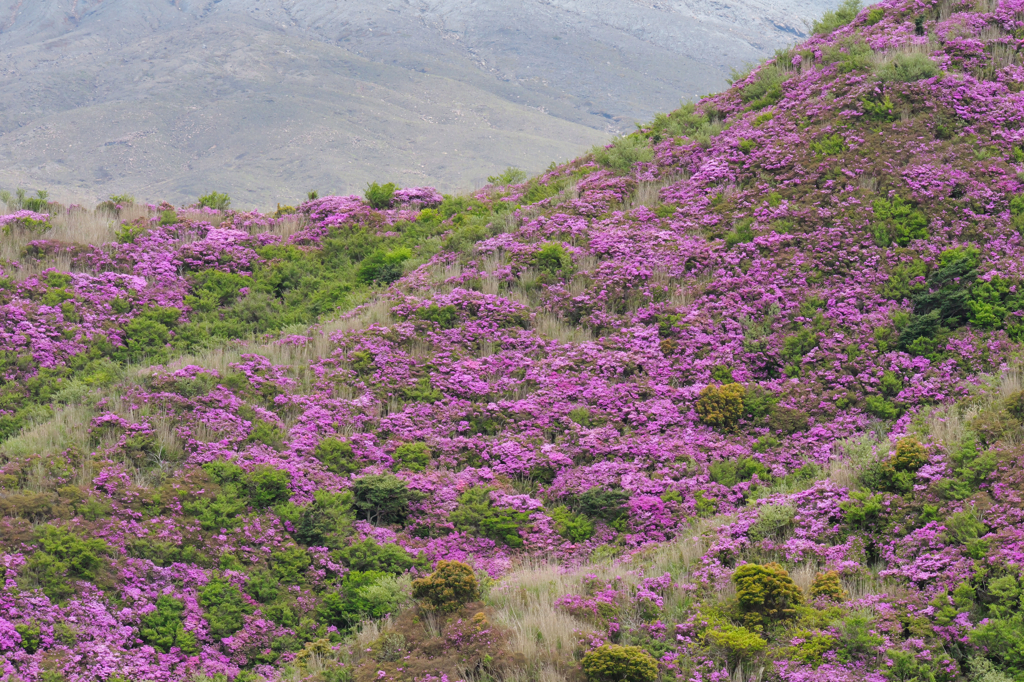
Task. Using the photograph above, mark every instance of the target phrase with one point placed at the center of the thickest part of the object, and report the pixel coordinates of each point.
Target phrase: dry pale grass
(648, 193)
(67, 428)
(551, 326)
(524, 599)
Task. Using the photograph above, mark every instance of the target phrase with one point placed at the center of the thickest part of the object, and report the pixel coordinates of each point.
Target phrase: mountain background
(265, 100)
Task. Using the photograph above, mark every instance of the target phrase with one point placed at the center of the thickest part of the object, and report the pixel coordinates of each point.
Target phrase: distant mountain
(268, 99)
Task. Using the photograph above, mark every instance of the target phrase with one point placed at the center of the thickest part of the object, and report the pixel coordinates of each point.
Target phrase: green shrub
(607, 504)
(910, 455)
(721, 406)
(572, 527)
(451, 585)
(382, 498)
(613, 663)
(686, 121)
(224, 607)
(476, 514)
(324, 521)
(741, 233)
(289, 566)
(897, 220)
(63, 557)
(357, 600)
(624, 153)
(383, 267)
(908, 68)
(510, 176)
(837, 18)
(446, 317)
(862, 509)
(737, 643)
(773, 521)
(412, 456)
(266, 433)
(369, 556)
(267, 486)
(215, 200)
(337, 456)
(970, 469)
(729, 472)
(380, 196)
(875, 15)
(787, 420)
(880, 407)
(829, 145)
(766, 594)
(849, 54)
(766, 89)
(553, 258)
(162, 628)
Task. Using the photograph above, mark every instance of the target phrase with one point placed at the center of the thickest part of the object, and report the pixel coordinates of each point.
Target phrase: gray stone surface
(266, 99)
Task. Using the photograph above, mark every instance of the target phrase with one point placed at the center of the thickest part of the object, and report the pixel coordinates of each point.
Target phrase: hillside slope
(267, 100)
(742, 391)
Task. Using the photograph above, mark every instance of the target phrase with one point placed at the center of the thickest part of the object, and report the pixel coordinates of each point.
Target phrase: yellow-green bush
(827, 585)
(450, 586)
(766, 593)
(721, 406)
(613, 663)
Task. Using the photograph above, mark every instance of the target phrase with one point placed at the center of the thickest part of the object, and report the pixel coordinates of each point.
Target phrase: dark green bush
(741, 233)
(289, 566)
(729, 472)
(766, 89)
(383, 267)
(369, 556)
(325, 521)
(337, 456)
(224, 607)
(613, 663)
(163, 629)
(63, 557)
(477, 515)
(267, 486)
(451, 585)
(829, 145)
(446, 317)
(607, 504)
(382, 498)
(572, 527)
(354, 603)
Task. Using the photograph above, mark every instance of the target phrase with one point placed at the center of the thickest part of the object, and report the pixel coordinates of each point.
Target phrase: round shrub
(910, 455)
(827, 585)
(766, 593)
(451, 585)
(613, 663)
(721, 406)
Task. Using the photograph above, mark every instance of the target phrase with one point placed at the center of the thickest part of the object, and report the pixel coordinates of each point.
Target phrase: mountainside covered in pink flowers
(737, 397)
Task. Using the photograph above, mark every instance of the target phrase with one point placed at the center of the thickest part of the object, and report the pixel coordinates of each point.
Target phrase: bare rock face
(267, 99)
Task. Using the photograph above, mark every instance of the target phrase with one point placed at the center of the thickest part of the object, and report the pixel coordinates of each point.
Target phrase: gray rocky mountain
(266, 99)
